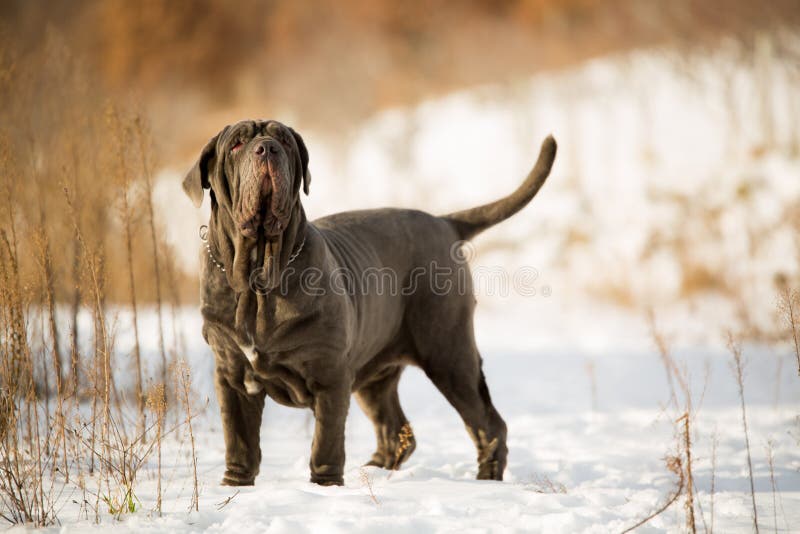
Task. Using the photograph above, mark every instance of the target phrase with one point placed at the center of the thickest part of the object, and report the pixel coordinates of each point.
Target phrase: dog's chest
(249, 352)
(283, 383)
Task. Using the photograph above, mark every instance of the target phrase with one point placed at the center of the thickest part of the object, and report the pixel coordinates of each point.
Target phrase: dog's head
(254, 170)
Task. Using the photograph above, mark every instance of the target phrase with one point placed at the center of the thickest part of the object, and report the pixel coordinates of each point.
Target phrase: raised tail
(471, 222)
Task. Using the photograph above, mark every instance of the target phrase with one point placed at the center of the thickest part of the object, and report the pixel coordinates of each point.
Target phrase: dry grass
(616, 291)
(157, 402)
(183, 379)
(698, 279)
(76, 173)
(544, 484)
(24, 493)
(738, 371)
(121, 142)
(670, 367)
(687, 448)
(682, 401)
(140, 132)
(82, 446)
(74, 184)
(59, 129)
(166, 49)
(771, 463)
(366, 482)
(222, 504)
(673, 466)
(789, 309)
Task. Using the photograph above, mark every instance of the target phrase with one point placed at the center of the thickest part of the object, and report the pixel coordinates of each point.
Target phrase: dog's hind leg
(465, 388)
(451, 360)
(381, 403)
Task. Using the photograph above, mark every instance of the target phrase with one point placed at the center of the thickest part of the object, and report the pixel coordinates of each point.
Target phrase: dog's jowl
(310, 313)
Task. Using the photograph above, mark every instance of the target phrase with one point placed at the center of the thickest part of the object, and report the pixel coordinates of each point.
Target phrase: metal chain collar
(204, 239)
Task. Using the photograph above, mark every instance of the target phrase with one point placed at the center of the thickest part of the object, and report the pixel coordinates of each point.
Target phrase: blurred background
(676, 189)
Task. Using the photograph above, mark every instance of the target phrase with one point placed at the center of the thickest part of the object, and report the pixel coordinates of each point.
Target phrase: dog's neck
(238, 257)
(264, 288)
(292, 241)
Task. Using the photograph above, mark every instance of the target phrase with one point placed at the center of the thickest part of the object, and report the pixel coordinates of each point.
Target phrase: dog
(289, 310)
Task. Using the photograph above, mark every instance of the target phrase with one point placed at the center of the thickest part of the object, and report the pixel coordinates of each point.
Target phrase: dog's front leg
(241, 424)
(327, 451)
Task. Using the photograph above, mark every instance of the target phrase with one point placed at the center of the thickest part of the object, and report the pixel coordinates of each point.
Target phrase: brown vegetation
(157, 402)
(59, 129)
(679, 463)
(74, 185)
(366, 482)
(183, 382)
(331, 63)
(675, 467)
(81, 442)
(544, 484)
(789, 308)
(738, 371)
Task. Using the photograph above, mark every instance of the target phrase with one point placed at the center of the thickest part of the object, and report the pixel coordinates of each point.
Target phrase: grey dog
(289, 310)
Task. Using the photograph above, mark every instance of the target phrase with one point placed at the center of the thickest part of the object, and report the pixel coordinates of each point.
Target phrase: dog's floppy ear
(196, 179)
(303, 152)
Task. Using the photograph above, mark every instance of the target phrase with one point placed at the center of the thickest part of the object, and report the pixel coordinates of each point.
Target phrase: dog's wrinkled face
(260, 172)
(254, 170)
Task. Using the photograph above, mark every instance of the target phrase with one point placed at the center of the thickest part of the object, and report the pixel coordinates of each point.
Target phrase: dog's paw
(237, 479)
(490, 471)
(392, 453)
(327, 480)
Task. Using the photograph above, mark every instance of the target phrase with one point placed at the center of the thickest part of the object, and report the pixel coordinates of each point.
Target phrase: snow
(608, 458)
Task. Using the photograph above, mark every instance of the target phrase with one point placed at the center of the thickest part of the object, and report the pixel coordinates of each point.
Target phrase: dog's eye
(237, 146)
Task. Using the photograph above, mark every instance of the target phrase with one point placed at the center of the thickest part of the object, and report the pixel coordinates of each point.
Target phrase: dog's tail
(471, 222)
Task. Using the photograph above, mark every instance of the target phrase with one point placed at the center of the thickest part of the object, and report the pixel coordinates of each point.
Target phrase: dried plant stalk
(75, 364)
(366, 481)
(45, 261)
(789, 309)
(184, 382)
(675, 467)
(148, 183)
(687, 445)
(127, 216)
(666, 359)
(773, 482)
(680, 375)
(157, 402)
(738, 372)
(24, 497)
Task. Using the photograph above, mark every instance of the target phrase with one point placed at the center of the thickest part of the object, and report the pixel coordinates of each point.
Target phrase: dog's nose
(267, 145)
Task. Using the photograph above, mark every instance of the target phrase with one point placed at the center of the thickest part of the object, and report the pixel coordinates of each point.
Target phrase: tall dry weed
(68, 174)
(183, 379)
(737, 367)
(157, 402)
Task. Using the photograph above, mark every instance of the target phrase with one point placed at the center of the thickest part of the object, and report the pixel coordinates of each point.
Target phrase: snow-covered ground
(596, 423)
